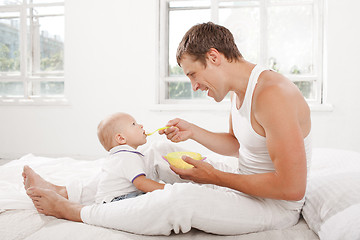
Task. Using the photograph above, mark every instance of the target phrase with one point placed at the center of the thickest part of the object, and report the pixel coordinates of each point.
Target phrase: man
(269, 132)
(277, 112)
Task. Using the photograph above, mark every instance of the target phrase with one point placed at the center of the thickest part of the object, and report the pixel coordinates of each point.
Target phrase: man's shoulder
(276, 97)
(273, 86)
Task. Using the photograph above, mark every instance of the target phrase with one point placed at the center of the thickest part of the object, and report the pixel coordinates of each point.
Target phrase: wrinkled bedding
(20, 220)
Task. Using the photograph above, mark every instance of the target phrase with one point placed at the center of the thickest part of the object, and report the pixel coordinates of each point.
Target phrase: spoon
(148, 134)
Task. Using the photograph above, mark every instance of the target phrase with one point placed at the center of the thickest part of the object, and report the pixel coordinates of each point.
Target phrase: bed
(331, 208)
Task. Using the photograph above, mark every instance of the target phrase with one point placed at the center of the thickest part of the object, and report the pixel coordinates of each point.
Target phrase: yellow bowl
(175, 160)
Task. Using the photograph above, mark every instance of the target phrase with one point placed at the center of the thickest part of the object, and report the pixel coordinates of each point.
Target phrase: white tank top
(253, 154)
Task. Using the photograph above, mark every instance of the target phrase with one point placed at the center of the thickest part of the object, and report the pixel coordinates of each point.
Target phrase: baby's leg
(83, 191)
(32, 179)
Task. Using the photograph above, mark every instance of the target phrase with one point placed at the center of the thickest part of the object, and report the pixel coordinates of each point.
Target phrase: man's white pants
(181, 206)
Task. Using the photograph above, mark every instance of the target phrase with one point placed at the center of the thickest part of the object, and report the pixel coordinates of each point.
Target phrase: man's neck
(240, 72)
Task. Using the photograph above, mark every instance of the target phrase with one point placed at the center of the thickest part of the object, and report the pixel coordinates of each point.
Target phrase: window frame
(25, 75)
(318, 48)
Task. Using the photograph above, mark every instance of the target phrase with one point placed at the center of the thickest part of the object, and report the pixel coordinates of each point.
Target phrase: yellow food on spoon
(175, 159)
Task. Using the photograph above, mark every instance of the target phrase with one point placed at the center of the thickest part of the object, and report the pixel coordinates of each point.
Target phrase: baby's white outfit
(123, 165)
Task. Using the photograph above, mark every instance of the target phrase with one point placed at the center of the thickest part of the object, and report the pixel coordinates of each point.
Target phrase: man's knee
(183, 193)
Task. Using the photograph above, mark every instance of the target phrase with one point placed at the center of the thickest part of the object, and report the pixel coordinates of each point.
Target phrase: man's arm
(221, 143)
(147, 185)
(280, 109)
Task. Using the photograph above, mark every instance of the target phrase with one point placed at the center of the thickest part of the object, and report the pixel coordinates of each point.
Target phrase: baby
(123, 172)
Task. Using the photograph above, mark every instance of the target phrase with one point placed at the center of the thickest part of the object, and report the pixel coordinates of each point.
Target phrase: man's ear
(213, 56)
(120, 139)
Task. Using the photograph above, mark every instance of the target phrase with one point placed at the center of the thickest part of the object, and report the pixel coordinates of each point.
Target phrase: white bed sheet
(26, 223)
(29, 225)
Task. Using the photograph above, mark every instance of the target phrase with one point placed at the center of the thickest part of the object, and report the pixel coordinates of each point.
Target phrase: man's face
(203, 78)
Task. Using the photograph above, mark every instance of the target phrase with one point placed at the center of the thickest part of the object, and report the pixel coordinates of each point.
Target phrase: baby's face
(133, 132)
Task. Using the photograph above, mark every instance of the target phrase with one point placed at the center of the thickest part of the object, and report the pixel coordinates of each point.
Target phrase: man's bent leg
(157, 166)
(184, 205)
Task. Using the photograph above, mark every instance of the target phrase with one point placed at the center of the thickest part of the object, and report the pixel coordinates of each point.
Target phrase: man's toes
(26, 169)
(33, 191)
(30, 191)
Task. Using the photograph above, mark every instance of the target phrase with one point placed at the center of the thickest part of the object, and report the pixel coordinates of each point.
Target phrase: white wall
(340, 128)
(111, 65)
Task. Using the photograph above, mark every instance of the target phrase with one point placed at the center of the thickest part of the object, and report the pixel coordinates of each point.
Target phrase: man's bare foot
(51, 203)
(32, 179)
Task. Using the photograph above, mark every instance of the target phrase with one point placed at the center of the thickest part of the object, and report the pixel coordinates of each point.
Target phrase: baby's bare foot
(32, 179)
(50, 203)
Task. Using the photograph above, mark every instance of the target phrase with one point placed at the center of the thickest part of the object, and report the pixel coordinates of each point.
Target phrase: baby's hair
(106, 130)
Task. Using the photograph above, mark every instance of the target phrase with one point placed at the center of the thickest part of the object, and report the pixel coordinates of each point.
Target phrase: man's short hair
(198, 40)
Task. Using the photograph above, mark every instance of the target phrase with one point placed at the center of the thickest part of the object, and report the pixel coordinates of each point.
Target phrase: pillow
(333, 186)
(345, 225)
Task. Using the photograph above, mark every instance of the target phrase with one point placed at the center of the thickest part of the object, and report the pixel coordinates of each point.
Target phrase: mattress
(28, 224)
(20, 220)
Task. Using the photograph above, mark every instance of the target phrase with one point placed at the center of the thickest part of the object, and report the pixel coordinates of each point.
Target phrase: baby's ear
(120, 139)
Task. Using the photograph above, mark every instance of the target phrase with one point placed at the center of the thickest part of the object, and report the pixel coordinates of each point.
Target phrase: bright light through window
(284, 35)
(31, 49)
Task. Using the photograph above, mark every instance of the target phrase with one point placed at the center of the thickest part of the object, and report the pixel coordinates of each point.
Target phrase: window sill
(34, 102)
(326, 107)
(220, 107)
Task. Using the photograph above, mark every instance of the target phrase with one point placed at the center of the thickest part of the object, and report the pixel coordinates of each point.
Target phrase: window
(285, 35)
(31, 51)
